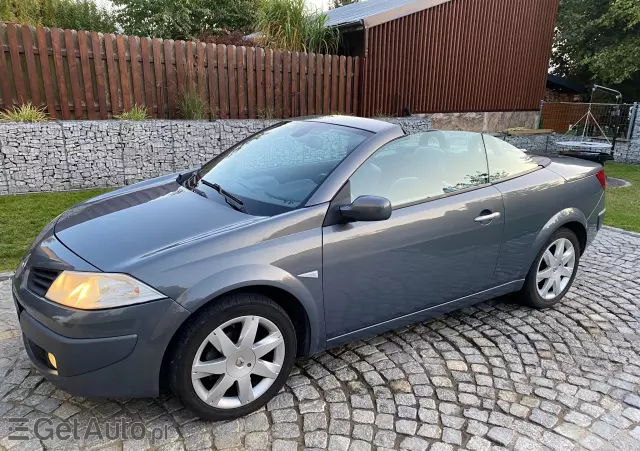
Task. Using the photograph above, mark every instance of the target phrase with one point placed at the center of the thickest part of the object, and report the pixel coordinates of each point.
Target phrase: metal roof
(376, 12)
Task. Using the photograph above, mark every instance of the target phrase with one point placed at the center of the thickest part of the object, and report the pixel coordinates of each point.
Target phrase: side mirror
(366, 208)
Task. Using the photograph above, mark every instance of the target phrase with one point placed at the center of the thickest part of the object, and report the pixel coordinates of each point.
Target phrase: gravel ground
(491, 377)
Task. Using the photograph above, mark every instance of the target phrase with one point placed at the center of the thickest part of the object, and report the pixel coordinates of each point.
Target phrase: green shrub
(24, 113)
(136, 113)
(190, 100)
(266, 113)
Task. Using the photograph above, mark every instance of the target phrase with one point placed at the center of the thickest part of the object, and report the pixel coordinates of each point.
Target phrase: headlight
(90, 291)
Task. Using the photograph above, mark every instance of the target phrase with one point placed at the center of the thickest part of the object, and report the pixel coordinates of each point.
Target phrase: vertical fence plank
(242, 94)
(286, 78)
(124, 74)
(32, 73)
(231, 77)
(295, 87)
(73, 74)
(146, 74)
(171, 80)
(86, 75)
(268, 75)
(14, 52)
(180, 65)
(189, 58)
(303, 85)
(202, 76)
(96, 48)
(279, 66)
(260, 81)
(47, 80)
(56, 47)
(341, 85)
(319, 84)
(327, 87)
(213, 81)
(356, 86)
(135, 70)
(7, 95)
(335, 76)
(349, 81)
(112, 74)
(311, 84)
(222, 81)
(156, 45)
(251, 88)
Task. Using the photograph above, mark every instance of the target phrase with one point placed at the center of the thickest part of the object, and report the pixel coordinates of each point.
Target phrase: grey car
(300, 238)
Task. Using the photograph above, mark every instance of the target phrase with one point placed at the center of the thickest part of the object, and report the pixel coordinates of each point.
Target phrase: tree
(72, 14)
(338, 3)
(598, 41)
(183, 19)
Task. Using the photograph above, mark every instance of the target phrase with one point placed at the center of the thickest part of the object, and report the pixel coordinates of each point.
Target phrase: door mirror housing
(367, 208)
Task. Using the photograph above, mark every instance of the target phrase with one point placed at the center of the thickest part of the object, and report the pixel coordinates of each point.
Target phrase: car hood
(118, 229)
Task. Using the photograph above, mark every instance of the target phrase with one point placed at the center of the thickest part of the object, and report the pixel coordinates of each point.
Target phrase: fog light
(52, 360)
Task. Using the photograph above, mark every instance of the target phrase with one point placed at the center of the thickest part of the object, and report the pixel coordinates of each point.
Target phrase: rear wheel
(233, 357)
(553, 270)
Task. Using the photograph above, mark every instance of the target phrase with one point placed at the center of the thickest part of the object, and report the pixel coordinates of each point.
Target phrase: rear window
(505, 160)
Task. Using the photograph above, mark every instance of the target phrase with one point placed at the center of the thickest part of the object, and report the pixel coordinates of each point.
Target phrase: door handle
(487, 218)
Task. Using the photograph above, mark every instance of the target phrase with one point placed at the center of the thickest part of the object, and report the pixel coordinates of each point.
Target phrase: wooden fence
(81, 75)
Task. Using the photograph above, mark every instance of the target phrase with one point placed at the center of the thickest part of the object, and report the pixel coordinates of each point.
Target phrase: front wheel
(553, 270)
(233, 357)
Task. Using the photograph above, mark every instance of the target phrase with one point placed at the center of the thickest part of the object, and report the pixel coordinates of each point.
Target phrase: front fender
(558, 220)
(237, 277)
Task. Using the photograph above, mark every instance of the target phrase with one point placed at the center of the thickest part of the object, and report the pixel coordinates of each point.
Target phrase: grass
(24, 113)
(22, 217)
(136, 113)
(623, 204)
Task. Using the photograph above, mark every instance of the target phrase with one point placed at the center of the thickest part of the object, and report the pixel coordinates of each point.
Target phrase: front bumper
(100, 353)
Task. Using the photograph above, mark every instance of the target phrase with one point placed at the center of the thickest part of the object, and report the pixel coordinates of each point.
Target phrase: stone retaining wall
(59, 156)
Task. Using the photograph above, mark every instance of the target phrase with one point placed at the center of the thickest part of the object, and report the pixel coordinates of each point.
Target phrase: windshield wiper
(228, 197)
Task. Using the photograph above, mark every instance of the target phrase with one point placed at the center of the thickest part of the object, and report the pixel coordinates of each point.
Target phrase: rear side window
(506, 160)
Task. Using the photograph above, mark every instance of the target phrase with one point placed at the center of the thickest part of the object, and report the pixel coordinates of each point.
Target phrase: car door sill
(427, 313)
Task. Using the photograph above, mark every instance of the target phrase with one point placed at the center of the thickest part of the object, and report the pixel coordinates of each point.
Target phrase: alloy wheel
(555, 269)
(238, 362)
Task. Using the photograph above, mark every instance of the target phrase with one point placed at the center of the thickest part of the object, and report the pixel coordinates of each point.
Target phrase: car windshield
(278, 169)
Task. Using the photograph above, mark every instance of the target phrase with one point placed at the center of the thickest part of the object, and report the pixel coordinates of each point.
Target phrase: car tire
(237, 367)
(535, 285)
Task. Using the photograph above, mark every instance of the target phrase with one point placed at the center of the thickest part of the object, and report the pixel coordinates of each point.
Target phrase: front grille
(40, 280)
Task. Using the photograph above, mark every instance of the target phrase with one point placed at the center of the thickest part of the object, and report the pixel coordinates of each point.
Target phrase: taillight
(602, 178)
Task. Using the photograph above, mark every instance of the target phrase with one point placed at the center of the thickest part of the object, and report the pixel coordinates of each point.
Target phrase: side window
(506, 160)
(422, 166)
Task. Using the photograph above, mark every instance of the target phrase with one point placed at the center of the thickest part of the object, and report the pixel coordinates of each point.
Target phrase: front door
(436, 247)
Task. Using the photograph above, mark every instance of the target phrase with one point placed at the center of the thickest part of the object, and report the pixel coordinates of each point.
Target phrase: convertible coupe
(306, 235)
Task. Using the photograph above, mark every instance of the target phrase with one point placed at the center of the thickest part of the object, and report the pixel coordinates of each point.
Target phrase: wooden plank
(189, 53)
(180, 65)
(242, 89)
(16, 63)
(213, 81)
(135, 70)
(335, 77)
(47, 80)
(231, 79)
(268, 75)
(311, 84)
(96, 48)
(326, 89)
(319, 85)
(303, 85)
(147, 74)
(5, 84)
(124, 74)
(356, 86)
(201, 74)
(349, 82)
(156, 45)
(87, 82)
(112, 75)
(251, 85)
(32, 73)
(260, 79)
(286, 79)
(341, 85)
(278, 70)
(56, 48)
(73, 74)
(170, 74)
(295, 87)
(222, 81)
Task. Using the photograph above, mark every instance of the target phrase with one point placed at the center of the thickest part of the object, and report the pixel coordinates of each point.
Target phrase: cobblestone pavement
(495, 376)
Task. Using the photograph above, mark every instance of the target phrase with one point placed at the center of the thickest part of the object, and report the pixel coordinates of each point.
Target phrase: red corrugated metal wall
(464, 55)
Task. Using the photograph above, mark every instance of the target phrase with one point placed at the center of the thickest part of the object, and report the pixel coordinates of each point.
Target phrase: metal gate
(561, 116)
